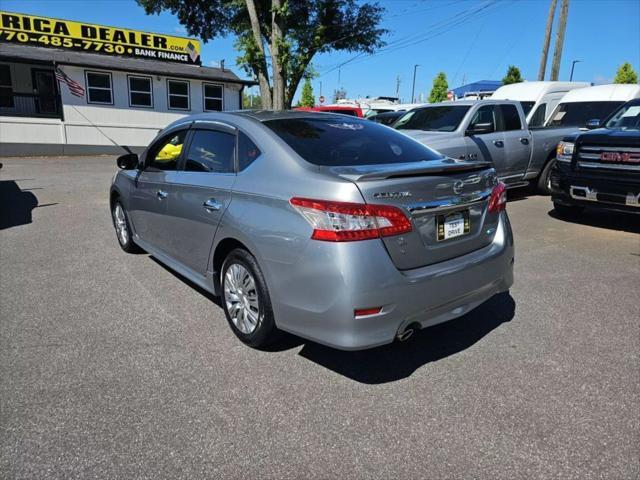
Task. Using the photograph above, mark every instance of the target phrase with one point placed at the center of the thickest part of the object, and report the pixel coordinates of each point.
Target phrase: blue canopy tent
(477, 87)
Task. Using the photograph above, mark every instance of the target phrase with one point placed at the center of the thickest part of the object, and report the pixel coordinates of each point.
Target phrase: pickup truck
(490, 130)
(600, 168)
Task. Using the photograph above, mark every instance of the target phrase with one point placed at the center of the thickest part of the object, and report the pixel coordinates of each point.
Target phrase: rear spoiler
(417, 169)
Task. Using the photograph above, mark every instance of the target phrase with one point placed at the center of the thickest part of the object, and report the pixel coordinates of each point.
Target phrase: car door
(152, 190)
(201, 193)
(483, 138)
(517, 144)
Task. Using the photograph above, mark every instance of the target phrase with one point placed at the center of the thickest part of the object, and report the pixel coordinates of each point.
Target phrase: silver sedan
(336, 229)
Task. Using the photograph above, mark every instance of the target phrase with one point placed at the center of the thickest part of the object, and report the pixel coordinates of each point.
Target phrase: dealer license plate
(453, 225)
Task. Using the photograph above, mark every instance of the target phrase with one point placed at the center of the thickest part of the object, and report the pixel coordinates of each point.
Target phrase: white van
(538, 99)
(591, 105)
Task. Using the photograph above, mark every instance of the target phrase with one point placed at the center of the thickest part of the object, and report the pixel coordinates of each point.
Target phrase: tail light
(347, 222)
(498, 198)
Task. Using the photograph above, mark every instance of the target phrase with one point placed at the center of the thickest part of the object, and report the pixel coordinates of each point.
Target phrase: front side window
(577, 114)
(537, 119)
(484, 119)
(6, 88)
(99, 88)
(165, 155)
(178, 94)
(211, 151)
(344, 141)
(433, 119)
(140, 91)
(627, 118)
(510, 117)
(247, 151)
(212, 95)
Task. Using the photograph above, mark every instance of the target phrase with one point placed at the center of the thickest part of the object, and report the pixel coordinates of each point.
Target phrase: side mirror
(593, 123)
(128, 161)
(480, 128)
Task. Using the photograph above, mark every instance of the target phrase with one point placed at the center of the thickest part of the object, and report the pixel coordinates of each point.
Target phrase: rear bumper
(317, 297)
(610, 191)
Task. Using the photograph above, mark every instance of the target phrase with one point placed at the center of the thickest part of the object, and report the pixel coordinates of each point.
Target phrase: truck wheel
(566, 211)
(544, 180)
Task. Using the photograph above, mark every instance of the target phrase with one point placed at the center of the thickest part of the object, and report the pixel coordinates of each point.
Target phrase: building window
(140, 91)
(6, 90)
(212, 95)
(178, 93)
(99, 88)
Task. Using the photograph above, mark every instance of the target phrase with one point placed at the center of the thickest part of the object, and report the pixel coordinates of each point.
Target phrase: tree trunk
(547, 40)
(557, 53)
(277, 73)
(263, 76)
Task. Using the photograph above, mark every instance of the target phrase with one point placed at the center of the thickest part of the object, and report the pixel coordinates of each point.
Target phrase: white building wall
(131, 126)
(87, 124)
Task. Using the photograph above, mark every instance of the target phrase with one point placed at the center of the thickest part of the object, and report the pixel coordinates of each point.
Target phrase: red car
(343, 109)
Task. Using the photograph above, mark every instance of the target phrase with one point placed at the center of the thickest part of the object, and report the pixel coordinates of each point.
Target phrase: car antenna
(124, 147)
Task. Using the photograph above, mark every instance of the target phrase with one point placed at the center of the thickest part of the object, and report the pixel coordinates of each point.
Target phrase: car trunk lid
(435, 195)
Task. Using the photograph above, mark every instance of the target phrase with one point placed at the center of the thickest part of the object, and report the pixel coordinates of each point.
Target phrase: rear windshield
(346, 142)
(527, 106)
(435, 119)
(577, 114)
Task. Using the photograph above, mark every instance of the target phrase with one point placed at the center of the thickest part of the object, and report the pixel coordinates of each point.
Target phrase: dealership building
(73, 88)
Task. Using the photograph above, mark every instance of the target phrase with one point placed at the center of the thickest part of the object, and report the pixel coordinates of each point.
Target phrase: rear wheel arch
(223, 248)
(542, 182)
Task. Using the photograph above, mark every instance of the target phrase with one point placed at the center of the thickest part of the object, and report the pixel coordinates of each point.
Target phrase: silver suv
(336, 229)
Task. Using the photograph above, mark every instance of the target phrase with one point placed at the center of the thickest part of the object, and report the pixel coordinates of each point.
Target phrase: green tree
(513, 76)
(307, 99)
(287, 33)
(626, 74)
(440, 89)
(251, 100)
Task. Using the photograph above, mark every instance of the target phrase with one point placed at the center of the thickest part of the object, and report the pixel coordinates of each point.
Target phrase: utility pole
(547, 40)
(557, 53)
(573, 64)
(338, 77)
(320, 88)
(413, 88)
(398, 86)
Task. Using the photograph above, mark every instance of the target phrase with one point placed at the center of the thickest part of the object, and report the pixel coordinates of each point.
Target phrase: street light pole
(573, 64)
(413, 88)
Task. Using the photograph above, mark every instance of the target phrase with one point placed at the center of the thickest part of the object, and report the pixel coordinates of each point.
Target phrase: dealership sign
(65, 34)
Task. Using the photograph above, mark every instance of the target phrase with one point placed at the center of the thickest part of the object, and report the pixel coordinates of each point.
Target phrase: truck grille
(609, 157)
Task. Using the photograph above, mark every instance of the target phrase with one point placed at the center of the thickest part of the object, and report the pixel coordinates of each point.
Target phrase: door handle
(498, 143)
(161, 194)
(524, 141)
(211, 205)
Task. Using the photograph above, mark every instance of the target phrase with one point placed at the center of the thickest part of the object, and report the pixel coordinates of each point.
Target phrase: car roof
(257, 115)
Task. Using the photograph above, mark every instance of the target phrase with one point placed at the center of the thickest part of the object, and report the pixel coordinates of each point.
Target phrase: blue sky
(601, 33)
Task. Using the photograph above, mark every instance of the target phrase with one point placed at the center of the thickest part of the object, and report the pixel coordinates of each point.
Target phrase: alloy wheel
(241, 298)
(120, 222)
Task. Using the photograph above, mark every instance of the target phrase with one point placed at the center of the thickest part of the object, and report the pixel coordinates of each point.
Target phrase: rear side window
(510, 117)
(247, 151)
(211, 151)
(341, 141)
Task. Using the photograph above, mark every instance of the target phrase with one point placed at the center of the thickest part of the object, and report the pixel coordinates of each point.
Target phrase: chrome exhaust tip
(405, 335)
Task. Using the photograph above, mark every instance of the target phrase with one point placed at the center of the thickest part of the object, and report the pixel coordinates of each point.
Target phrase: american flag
(74, 87)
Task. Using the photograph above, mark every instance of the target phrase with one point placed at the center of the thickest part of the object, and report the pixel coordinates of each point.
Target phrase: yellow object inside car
(169, 153)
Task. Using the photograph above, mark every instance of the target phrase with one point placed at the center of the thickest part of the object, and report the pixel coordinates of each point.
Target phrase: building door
(44, 85)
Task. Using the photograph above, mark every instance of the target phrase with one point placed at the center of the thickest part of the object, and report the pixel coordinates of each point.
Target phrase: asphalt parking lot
(111, 366)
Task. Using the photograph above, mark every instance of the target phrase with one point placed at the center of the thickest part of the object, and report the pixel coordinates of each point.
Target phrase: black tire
(128, 245)
(543, 186)
(567, 211)
(265, 332)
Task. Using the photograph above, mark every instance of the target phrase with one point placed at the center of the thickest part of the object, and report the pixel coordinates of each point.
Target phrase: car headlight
(564, 151)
